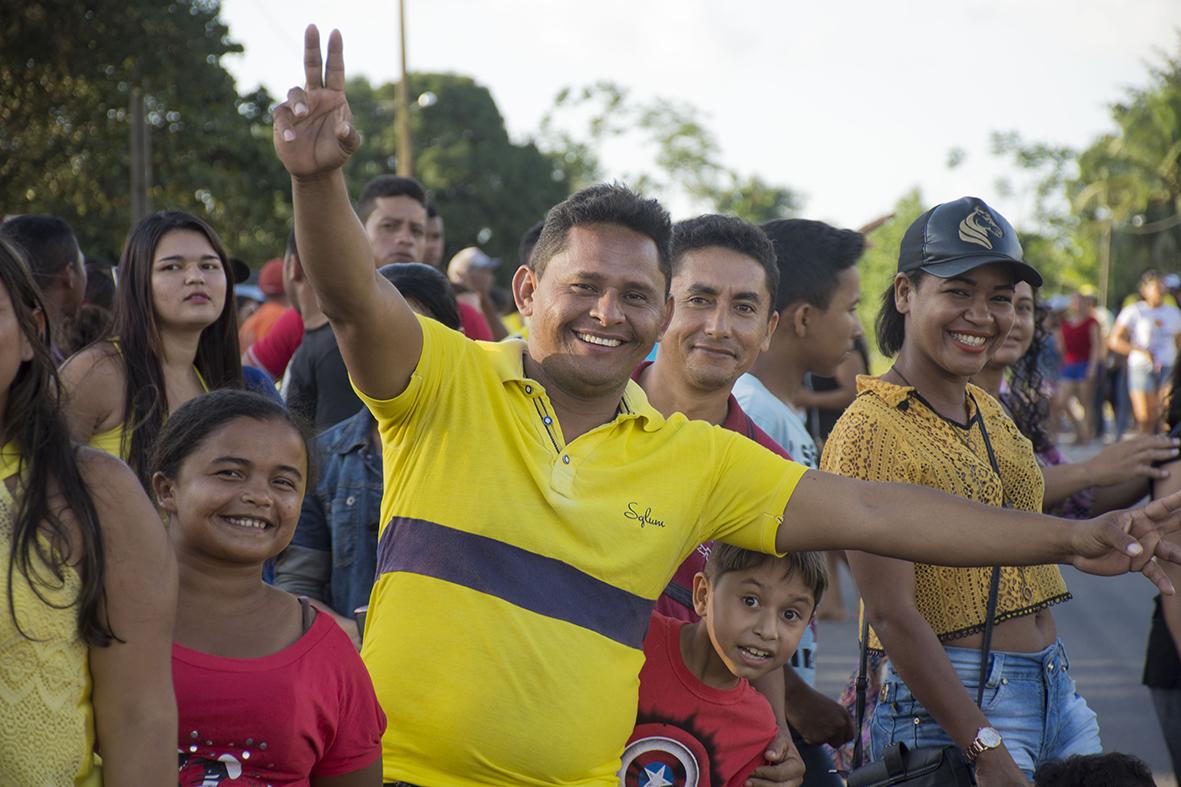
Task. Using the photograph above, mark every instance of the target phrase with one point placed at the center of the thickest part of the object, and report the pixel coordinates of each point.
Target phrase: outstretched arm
(314, 137)
(923, 525)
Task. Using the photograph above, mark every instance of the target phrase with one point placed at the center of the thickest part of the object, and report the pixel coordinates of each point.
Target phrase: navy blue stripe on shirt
(534, 582)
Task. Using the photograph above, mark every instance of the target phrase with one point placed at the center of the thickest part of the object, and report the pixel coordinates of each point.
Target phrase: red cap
(270, 278)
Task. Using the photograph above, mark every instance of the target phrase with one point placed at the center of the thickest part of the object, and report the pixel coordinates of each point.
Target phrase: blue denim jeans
(1029, 698)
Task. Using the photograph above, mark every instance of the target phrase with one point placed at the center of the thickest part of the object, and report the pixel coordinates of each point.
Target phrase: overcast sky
(850, 103)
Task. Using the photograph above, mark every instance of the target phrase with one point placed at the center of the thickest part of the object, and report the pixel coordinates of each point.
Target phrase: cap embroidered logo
(977, 226)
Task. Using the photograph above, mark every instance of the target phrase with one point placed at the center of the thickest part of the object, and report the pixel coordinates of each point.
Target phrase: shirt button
(350, 500)
(565, 459)
(1051, 666)
(547, 420)
(528, 389)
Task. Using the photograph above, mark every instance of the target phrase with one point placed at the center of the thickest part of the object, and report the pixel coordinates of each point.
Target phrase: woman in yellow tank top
(949, 308)
(173, 337)
(84, 642)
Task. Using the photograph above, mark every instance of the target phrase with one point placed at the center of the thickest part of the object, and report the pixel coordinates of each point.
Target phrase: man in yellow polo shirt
(536, 505)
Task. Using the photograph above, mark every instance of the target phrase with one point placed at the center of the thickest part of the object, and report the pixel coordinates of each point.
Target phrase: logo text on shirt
(644, 517)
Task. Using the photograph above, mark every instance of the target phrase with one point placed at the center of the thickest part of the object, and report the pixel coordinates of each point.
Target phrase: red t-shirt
(676, 600)
(474, 323)
(273, 351)
(308, 710)
(689, 734)
(1076, 338)
(259, 324)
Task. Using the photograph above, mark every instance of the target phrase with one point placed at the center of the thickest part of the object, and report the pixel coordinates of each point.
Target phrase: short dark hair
(808, 566)
(48, 243)
(890, 325)
(727, 232)
(427, 286)
(1095, 770)
(1152, 274)
(100, 285)
(811, 256)
(432, 210)
(388, 186)
(605, 203)
(529, 242)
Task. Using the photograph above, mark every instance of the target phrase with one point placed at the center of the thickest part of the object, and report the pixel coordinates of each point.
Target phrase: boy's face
(755, 618)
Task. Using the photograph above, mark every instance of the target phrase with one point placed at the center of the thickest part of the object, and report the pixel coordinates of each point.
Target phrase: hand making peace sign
(314, 133)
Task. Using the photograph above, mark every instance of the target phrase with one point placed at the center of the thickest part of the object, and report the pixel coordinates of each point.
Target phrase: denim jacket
(333, 556)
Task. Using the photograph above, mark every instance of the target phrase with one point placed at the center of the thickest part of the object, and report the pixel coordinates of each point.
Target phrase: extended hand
(1132, 458)
(314, 133)
(1122, 541)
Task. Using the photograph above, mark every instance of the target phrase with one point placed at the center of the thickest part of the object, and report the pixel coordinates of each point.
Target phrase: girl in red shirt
(268, 692)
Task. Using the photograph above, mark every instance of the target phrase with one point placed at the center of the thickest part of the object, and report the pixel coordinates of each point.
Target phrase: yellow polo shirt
(516, 573)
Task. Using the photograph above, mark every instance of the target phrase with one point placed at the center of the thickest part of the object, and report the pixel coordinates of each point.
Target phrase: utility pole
(405, 155)
(1105, 262)
(141, 176)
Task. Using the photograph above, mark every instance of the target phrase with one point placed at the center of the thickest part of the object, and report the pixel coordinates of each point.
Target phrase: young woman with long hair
(1115, 477)
(268, 690)
(174, 336)
(89, 591)
(949, 308)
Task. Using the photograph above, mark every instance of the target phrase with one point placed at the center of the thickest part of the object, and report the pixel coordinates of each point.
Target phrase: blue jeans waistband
(1007, 664)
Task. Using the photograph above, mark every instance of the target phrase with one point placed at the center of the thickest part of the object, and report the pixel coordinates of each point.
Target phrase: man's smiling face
(596, 310)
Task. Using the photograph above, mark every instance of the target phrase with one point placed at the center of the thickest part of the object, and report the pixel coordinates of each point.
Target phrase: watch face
(988, 737)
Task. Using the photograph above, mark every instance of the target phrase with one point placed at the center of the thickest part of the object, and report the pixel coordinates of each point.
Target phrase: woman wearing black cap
(949, 308)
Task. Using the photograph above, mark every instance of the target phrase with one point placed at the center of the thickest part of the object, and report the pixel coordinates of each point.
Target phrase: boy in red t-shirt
(700, 722)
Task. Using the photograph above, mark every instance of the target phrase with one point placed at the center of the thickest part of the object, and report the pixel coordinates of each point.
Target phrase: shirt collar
(508, 359)
(894, 395)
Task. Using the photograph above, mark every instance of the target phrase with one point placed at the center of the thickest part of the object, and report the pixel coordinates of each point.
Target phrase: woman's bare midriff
(1026, 634)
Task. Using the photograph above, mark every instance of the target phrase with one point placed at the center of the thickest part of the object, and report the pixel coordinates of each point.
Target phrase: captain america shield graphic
(659, 762)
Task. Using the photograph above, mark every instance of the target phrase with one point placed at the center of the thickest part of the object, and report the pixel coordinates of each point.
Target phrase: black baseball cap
(952, 238)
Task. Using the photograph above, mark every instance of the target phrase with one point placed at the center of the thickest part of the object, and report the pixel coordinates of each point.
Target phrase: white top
(786, 425)
(1154, 330)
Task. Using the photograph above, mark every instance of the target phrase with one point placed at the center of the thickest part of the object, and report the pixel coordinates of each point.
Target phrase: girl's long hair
(145, 403)
(43, 545)
(1028, 398)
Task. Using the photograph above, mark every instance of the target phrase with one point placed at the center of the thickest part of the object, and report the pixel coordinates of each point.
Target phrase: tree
(488, 188)
(879, 265)
(66, 78)
(1121, 195)
(685, 155)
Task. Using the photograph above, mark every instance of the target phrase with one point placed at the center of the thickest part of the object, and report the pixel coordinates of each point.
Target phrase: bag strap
(995, 580)
(989, 620)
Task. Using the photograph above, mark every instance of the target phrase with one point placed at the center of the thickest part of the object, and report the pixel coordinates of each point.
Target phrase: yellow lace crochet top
(889, 434)
(46, 719)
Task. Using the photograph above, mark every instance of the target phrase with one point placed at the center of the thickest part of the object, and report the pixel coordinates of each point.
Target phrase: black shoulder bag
(925, 766)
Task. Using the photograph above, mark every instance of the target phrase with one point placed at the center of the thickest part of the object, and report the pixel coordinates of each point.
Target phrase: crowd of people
(375, 520)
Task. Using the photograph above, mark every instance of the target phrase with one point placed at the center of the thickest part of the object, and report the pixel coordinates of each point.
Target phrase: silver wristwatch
(986, 738)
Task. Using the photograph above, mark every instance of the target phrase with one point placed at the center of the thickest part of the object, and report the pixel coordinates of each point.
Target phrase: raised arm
(923, 525)
(314, 136)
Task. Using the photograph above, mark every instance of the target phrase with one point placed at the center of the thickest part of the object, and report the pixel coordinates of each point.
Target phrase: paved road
(1105, 629)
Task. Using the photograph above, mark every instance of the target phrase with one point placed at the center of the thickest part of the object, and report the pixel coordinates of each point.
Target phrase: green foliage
(65, 81)
(1129, 179)
(488, 189)
(684, 153)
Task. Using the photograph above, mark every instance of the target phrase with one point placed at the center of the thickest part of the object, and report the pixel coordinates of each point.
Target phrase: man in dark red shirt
(725, 276)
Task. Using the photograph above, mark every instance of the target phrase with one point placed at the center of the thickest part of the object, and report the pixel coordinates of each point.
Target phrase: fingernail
(301, 108)
(1135, 549)
(288, 135)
